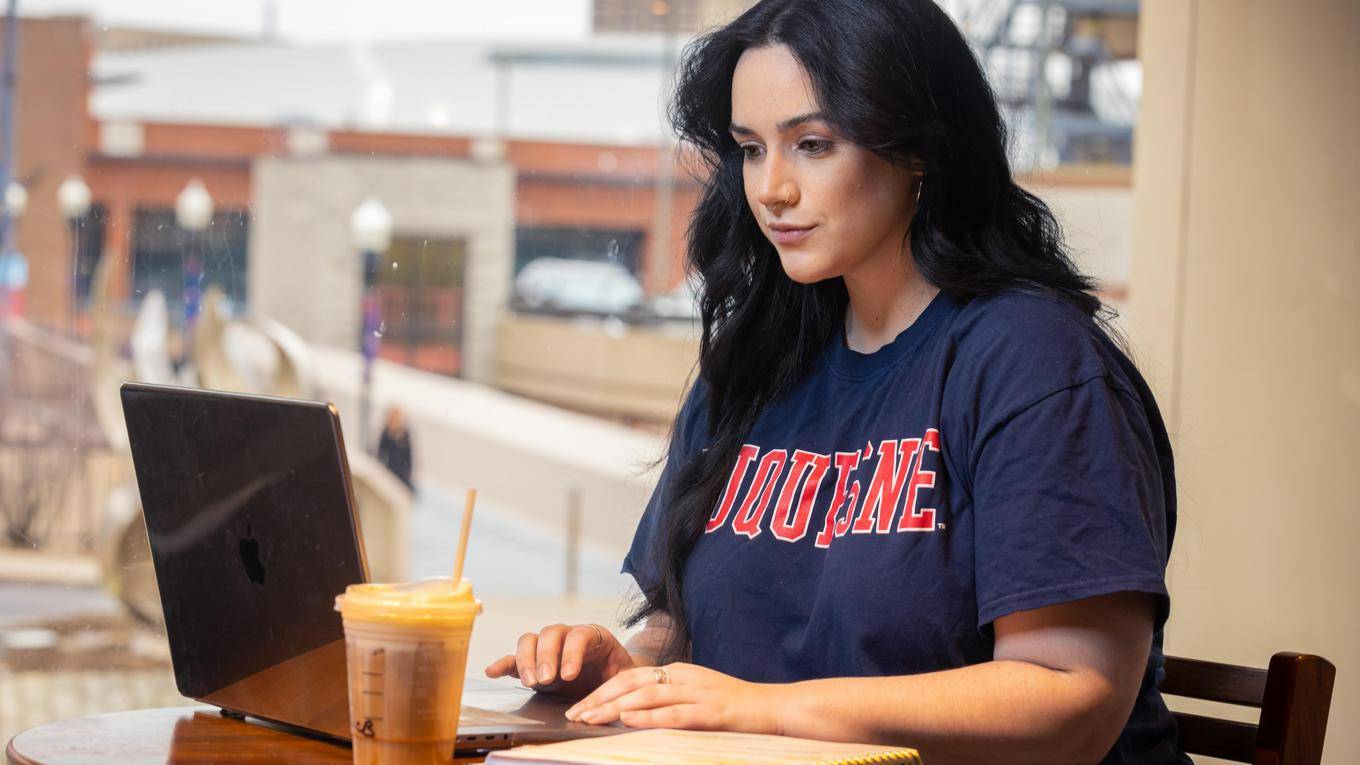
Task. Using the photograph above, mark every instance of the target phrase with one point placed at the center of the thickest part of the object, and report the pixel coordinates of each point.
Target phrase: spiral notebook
(661, 746)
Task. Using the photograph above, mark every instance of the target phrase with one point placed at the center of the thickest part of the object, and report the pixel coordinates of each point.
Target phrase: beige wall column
(304, 273)
(1245, 314)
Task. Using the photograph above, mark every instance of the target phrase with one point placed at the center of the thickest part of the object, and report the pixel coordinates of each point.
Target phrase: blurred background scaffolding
(475, 212)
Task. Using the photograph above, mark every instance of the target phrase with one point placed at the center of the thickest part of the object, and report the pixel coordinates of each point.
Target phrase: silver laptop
(251, 518)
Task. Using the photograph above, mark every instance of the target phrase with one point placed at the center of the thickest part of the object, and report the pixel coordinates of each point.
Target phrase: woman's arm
(1060, 689)
(646, 645)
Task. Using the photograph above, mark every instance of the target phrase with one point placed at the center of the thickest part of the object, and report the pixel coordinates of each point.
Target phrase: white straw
(463, 536)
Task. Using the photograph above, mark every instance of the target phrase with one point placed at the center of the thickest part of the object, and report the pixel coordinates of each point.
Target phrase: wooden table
(171, 735)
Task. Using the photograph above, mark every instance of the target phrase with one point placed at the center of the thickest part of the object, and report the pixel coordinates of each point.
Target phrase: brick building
(51, 127)
(575, 128)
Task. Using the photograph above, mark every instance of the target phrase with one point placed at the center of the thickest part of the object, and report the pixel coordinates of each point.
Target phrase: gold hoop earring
(919, 184)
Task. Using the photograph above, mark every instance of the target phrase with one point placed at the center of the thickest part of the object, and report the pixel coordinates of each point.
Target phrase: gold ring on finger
(599, 635)
(662, 676)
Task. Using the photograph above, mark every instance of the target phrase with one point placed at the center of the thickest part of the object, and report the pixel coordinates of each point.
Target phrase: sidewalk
(509, 554)
(36, 566)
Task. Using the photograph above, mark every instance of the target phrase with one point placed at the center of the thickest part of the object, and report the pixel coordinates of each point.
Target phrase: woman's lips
(788, 236)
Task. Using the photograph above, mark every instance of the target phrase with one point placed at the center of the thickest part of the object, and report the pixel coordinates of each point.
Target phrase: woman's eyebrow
(786, 125)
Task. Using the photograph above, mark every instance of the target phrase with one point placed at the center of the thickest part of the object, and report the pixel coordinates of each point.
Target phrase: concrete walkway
(523, 457)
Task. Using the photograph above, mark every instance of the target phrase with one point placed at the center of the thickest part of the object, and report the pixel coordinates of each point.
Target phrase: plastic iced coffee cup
(406, 647)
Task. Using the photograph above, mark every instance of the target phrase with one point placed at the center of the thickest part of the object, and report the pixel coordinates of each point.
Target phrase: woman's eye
(814, 146)
(750, 151)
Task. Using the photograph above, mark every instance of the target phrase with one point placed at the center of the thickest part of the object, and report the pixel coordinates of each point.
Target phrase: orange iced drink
(406, 647)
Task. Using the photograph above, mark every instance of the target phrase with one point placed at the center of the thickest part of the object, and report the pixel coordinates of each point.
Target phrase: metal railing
(54, 466)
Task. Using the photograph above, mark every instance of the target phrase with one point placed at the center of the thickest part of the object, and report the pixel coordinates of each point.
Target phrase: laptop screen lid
(253, 533)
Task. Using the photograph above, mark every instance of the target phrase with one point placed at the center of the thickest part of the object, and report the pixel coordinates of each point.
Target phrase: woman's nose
(777, 190)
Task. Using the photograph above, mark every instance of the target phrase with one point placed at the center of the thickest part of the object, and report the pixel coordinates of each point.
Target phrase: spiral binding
(902, 757)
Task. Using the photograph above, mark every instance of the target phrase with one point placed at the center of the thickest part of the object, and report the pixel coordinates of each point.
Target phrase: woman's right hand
(571, 660)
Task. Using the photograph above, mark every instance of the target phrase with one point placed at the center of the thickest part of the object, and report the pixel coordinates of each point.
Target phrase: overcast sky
(317, 20)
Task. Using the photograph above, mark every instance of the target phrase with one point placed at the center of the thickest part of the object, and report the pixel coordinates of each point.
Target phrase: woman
(916, 495)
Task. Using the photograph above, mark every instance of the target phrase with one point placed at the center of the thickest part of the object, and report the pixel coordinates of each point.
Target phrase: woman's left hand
(696, 698)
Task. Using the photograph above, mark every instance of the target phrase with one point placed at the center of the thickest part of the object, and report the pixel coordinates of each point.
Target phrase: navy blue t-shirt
(999, 455)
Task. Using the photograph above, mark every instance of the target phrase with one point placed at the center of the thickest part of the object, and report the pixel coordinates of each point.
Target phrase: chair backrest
(1294, 696)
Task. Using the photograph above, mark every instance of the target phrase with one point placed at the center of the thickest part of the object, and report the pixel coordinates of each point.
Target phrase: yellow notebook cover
(662, 746)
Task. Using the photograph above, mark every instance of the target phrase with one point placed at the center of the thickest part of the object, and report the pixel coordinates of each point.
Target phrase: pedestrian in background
(394, 446)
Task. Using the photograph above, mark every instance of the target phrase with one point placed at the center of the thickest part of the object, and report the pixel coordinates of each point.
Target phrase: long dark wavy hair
(897, 78)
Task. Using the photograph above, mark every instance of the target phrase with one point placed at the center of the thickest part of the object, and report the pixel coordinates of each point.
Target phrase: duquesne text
(890, 504)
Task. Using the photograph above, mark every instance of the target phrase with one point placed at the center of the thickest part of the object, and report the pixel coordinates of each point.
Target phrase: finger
(624, 682)
(688, 716)
(621, 683)
(646, 697)
(549, 652)
(582, 643)
(525, 653)
(503, 666)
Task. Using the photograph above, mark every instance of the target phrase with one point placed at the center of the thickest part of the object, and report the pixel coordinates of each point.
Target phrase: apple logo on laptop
(250, 557)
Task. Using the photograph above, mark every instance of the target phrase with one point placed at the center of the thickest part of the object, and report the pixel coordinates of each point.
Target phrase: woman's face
(828, 206)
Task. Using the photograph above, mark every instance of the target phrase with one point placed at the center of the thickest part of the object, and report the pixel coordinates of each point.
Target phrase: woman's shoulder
(1016, 351)
(1020, 315)
(1032, 341)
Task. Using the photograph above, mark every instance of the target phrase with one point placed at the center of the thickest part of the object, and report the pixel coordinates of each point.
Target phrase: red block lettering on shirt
(894, 465)
(922, 519)
(758, 496)
(792, 530)
(843, 523)
(846, 463)
(744, 459)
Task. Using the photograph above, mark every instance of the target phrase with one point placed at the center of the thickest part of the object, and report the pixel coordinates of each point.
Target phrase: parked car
(572, 286)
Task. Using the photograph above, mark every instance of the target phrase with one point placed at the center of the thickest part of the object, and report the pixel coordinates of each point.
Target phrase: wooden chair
(1294, 696)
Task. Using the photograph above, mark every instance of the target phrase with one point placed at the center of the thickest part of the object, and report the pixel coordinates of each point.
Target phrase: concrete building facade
(300, 239)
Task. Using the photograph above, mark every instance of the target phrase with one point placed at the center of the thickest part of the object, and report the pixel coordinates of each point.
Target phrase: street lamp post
(13, 268)
(73, 201)
(193, 214)
(13, 272)
(370, 230)
(16, 199)
(12, 262)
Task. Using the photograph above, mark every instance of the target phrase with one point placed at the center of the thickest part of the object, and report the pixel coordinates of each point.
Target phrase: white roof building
(604, 89)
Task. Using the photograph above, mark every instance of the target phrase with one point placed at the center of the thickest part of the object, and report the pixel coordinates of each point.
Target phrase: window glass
(463, 224)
